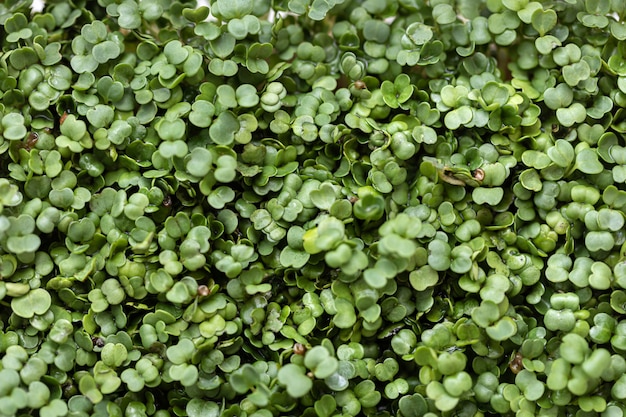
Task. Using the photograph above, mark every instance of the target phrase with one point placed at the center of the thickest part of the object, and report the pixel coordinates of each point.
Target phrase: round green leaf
(293, 378)
(36, 301)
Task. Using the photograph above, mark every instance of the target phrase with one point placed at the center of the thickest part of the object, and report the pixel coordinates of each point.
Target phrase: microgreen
(313, 207)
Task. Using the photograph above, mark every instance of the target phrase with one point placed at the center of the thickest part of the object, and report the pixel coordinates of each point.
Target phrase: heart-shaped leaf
(543, 20)
(568, 116)
(485, 314)
(293, 378)
(37, 301)
(490, 196)
(503, 329)
(562, 153)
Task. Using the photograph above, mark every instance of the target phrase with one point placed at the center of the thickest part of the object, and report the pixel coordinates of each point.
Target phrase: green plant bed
(313, 208)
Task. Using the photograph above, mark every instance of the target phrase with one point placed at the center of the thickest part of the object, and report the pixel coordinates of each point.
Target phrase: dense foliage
(313, 208)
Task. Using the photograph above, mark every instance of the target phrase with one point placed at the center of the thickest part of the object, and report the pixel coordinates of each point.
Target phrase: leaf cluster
(313, 207)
